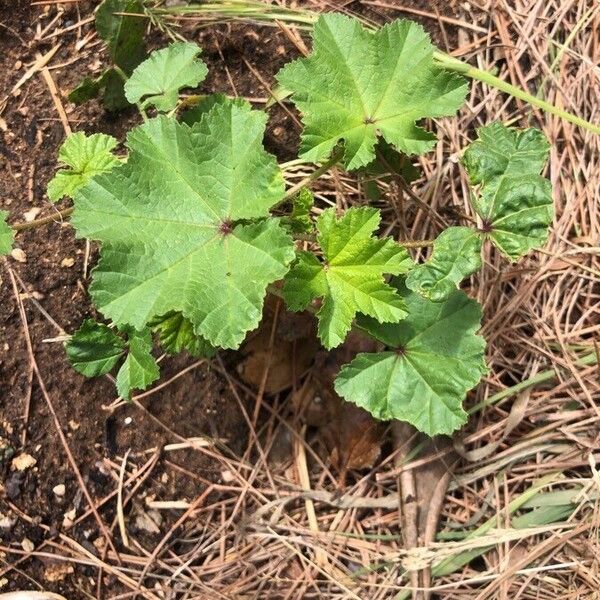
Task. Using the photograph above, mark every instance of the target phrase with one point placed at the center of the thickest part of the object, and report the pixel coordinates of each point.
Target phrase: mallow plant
(195, 225)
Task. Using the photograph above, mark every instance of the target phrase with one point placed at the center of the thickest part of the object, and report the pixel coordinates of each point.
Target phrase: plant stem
(453, 64)
(588, 359)
(417, 243)
(59, 215)
(333, 159)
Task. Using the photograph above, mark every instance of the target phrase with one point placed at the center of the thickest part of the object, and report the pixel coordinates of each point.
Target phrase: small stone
(69, 518)
(31, 214)
(7, 522)
(58, 572)
(99, 543)
(22, 462)
(19, 255)
(27, 545)
(59, 490)
(67, 262)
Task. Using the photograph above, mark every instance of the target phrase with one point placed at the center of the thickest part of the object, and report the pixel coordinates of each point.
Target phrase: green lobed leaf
(515, 201)
(7, 234)
(300, 221)
(176, 225)
(351, 278)
(176, 333)
(436, 358)
(158, 80)
(358, 84)
(88, 88)
(140, 368)
(203, 105)
(456, 255)
(501, 150)
(94, 349)
(86, 157)
(108, 81)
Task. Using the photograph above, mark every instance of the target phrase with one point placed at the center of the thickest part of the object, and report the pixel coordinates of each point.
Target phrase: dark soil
(200, 402)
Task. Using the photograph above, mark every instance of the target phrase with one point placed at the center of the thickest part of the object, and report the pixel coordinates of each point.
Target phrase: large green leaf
(359, 84)
(157, 81)
(7, 234)
(86, 157)
(436, 358)
(515, 202)
(456, 255)
(94, 349)
(351, 278)
(140, 368)
(182, 225)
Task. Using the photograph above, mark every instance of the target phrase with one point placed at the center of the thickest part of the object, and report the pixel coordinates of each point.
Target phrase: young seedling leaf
(515, 201)
(435, 357)
(94, 349)
(351, 278)
(358, 84)
(183, 225)
(86, 157)
(158, 80)
(7, 234)
(140, 368)
(176, 333)
(456, 255)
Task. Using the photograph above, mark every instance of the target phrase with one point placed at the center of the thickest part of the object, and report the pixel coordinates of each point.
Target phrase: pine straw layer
(259, 536)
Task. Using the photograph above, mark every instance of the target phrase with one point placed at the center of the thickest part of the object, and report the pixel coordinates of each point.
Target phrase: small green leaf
(357, 85)
(94, 349)
(87, 156)
(456, 255)
(7, 234)
(515, 201)
(436, 358)
(299, 221)
(176, 333)
(158, 80)
(110, 81)
(140, 368)
(183, 225)
(87, 88)
(351, 278)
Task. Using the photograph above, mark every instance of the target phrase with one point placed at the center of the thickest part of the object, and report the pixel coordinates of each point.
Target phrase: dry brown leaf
(294, 345)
